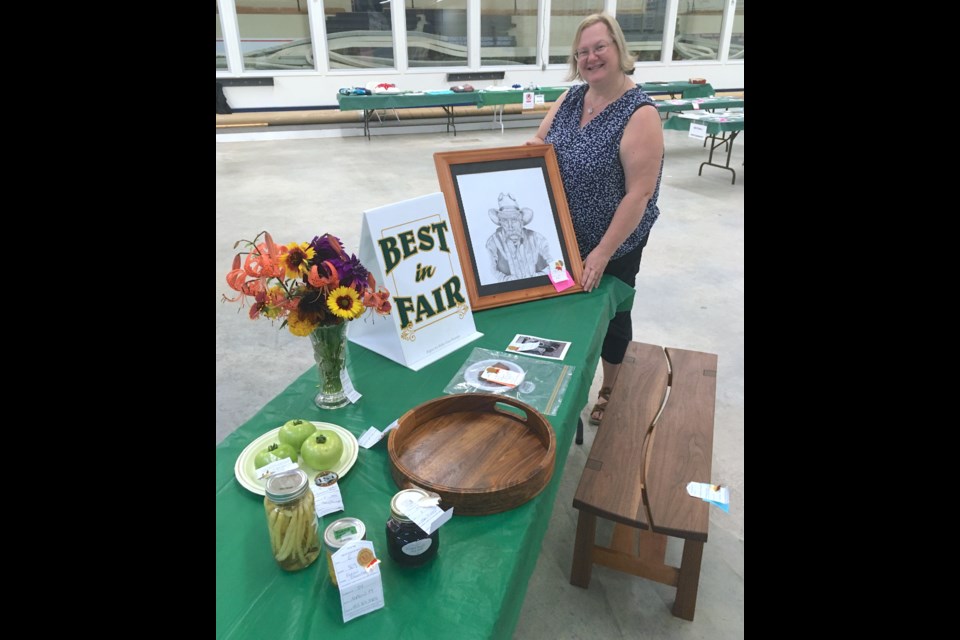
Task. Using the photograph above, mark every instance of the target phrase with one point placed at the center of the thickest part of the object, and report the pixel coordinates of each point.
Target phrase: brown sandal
(601, 405)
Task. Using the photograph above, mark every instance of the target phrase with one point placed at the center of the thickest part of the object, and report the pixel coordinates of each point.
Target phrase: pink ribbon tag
(561, 282)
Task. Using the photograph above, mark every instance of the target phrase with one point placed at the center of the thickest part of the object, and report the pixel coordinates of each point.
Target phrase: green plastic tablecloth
(716, 122)
(489, 98)
(475, 586)
(405, 101)
(686, 104)
(685, 89)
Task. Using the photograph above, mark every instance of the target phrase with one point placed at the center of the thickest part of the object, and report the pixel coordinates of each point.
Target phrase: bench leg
(583, 550)
(689, 580)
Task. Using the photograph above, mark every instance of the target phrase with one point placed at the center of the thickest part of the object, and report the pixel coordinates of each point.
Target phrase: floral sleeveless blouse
(593, 177)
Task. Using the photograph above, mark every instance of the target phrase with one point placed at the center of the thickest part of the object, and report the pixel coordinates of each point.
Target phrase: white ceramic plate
(244, 469)
(472, 375)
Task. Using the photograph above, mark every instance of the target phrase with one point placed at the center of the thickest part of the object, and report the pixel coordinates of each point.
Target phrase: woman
(609, 144)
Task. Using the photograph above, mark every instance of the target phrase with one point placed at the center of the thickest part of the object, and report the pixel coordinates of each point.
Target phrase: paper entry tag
(425, 512)
(712, 493)
(528, 100)
(506, 377)
(352, 394)
(276, 466)
(373, 435)
(539, 98)
(358, 575)
(698, 131)
(326, 499)
(558, 273)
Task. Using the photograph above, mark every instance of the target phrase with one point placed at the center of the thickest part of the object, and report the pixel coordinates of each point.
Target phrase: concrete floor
(689, 295)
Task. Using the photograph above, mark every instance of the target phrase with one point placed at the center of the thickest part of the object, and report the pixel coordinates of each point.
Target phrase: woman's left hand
(593, 268)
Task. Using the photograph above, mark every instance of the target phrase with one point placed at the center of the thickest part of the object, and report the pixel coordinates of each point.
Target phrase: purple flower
(327, 247)
(351, 272)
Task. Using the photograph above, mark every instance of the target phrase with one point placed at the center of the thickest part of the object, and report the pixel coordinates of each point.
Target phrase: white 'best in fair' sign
(416, 259)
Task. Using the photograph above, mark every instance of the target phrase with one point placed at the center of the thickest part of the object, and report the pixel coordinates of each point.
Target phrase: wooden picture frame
(508, 212)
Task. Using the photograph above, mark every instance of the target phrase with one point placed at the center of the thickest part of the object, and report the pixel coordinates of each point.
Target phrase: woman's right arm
(547, 122)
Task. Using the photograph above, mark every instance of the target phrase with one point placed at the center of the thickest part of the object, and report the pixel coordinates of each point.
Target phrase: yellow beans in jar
(291, 520)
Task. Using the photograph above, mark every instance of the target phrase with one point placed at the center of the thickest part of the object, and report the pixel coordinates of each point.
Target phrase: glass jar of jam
(291, 520)
(407, 543)
(337, 534)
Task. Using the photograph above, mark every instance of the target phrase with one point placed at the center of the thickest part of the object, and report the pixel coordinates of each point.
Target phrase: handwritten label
(698, 131)
(539, 98)
(327, 499)
(358, 574)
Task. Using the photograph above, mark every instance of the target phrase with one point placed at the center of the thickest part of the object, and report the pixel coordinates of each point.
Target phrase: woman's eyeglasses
(580, 54)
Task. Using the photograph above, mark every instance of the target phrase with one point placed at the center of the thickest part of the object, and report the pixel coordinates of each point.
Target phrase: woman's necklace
(602, 105)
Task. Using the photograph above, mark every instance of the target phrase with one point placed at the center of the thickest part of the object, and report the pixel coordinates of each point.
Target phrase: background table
(475, 586)
(722, 128)
(370, 104)
(696, 104)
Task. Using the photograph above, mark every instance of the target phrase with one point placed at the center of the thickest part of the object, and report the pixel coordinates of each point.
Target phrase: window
(508, 32)
(359, 34)
(698, 30)
(565, 17)
(642, 22)
(221, 51)
(736, 38)
(274, 34)
(437, 33)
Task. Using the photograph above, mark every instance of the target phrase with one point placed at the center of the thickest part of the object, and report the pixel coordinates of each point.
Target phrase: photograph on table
(539, 347)
(509, 217)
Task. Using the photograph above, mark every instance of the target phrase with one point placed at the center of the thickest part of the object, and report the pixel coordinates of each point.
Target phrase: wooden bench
(656, 436)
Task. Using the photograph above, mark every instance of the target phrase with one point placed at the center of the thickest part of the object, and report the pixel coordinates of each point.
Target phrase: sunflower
(344, 302)
(295, 259)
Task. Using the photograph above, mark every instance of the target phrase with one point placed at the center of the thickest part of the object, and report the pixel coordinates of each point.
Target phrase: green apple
(322, 450)
(275, 451)
(294, 432)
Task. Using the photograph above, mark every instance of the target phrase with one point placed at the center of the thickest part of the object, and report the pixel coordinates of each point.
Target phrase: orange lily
(321, 282)
(376, 299)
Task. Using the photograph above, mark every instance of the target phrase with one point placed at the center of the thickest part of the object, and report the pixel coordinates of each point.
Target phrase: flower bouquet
(314, 288)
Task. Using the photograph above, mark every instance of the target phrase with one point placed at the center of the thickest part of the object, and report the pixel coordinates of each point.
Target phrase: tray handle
(520, 413)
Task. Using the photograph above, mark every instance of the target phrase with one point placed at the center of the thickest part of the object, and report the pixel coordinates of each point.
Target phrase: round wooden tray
(483, 453)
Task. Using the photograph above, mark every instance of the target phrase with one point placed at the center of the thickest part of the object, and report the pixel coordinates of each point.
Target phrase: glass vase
(330, 353)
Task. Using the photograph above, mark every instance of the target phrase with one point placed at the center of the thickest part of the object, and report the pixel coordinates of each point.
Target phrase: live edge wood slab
(482, 453)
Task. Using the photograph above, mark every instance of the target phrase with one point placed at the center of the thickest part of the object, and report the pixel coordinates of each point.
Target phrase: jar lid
(340, 532)
(401, 499)
(286, 485)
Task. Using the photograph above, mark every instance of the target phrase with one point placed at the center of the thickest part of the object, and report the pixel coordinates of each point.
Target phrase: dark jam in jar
(407, 543)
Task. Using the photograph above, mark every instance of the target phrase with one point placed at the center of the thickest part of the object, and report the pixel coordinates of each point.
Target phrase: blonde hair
(616, 33)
